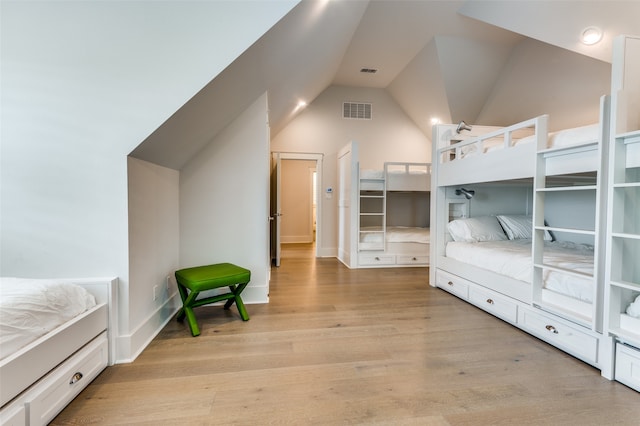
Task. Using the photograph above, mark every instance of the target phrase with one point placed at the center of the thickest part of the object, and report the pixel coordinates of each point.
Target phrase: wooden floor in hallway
(351, 347)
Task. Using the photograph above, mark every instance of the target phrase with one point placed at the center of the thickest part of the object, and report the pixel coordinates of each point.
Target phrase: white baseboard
(289, 239)
(129, 346)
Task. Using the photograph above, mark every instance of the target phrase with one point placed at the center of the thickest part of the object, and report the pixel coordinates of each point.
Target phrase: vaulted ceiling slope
(296, 59)
(449, 59)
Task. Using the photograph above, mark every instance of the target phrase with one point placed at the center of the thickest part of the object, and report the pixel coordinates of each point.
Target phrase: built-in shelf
(626, 285)
(569, 188)
(567, 230)
(571, 272)
(372, 212)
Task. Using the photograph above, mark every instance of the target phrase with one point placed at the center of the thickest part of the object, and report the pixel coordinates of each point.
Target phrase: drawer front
(412, 260)
(569, 338)
(13, 414)
(628, 366)
(64, 383)
(452, 283)
(492, 302)
(376, 259)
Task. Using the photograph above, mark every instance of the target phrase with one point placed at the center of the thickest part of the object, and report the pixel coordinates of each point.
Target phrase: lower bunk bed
(401, 246)
(495, 273)
(55, 337)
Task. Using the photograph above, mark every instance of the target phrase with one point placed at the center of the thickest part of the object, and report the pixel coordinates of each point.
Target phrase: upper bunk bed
(398, 177)
(509, 153)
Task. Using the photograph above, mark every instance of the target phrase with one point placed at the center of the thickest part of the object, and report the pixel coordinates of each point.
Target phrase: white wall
(320, 128)
(224, 201)
(153, 251)
(83, 83)
(542, 79)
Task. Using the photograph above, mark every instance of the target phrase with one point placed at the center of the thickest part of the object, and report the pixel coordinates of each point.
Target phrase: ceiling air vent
(356, 110)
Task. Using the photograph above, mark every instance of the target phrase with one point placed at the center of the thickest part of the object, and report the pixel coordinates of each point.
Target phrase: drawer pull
(415, 258)
(490, 301)
(76, 378)
(450, 283)
(552, 329)
(377, 258)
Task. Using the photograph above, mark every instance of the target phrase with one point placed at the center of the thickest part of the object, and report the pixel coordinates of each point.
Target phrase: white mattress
(562, 138)
(396, 234)
(397, 169)
(513, 259)
(371, 174)
(30, 308)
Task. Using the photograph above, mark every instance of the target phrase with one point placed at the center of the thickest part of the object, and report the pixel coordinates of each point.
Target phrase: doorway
(296, 205)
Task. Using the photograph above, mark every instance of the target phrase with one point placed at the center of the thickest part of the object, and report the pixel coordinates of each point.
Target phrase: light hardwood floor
(351, 347)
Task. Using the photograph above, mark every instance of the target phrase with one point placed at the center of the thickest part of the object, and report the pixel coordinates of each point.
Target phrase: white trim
(129, 346)
(319, 169)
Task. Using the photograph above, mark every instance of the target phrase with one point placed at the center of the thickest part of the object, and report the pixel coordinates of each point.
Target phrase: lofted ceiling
(423, 50)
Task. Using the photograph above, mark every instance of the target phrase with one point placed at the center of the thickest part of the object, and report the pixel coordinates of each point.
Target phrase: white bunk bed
(42, 374)
(622, 277)
(384, 238)
(543, 166)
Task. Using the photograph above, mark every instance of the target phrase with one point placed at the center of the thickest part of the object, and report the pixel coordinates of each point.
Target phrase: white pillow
(519, 227)
(476, 229)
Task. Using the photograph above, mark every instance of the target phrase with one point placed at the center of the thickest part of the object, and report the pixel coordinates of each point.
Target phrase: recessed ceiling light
(435, 120)
(299, 106)
(591, 35)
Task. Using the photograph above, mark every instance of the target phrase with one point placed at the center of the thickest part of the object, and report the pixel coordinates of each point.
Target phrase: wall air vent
(356, 110)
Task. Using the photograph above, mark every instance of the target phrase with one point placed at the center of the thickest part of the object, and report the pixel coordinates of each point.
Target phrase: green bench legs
(192, 281)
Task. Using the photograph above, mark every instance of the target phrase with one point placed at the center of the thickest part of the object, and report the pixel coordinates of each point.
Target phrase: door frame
(318, 158)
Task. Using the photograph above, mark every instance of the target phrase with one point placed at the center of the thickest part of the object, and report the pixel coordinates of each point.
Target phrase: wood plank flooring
(351, 347)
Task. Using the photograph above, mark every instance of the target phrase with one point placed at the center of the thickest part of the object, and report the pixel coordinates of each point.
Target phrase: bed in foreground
(56, 337)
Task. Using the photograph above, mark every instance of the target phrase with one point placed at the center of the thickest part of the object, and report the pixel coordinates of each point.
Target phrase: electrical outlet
(155, 292)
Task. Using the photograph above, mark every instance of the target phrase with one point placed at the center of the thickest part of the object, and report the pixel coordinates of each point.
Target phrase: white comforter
(513, 259)
(30, 308)
(397, 234)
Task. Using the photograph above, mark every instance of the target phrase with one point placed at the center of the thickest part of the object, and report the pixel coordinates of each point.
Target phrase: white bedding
(371, 174)
(562, 138)
(513, 259)
(30, 308)
(396, 234)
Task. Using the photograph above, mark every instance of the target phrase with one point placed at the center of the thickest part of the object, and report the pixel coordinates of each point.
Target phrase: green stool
(192, 281)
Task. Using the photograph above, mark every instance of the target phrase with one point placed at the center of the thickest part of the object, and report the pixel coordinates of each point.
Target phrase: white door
(347, 204)
(276, 207)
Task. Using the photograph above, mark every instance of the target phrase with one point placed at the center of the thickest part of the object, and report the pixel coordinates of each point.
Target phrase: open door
(348, 205)
(276, 207)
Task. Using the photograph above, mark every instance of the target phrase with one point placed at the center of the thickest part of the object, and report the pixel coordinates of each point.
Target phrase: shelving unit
(372, 207)
(624, 240)
(546, 184)
(623, 230)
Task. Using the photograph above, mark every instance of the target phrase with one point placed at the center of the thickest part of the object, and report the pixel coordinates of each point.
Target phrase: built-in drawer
(13, 414)
(452, 283)
(494, 303)
(60, 386)
(566, 337)
(412, 260)
(376, 259)
(628, 366)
